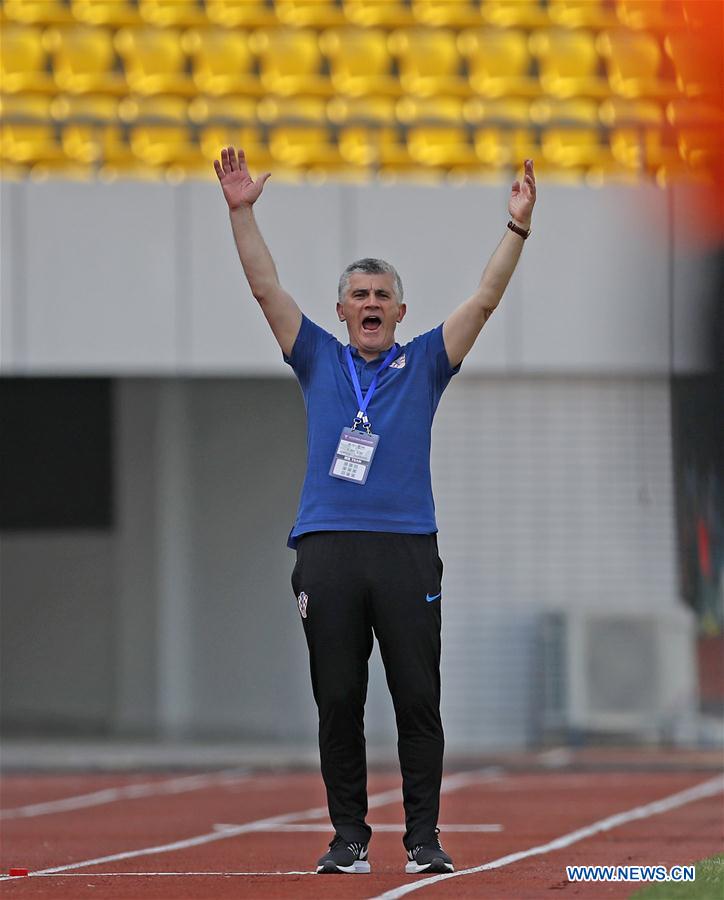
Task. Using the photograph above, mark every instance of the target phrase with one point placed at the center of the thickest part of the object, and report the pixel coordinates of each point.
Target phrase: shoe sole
(436, 866)
(359, 867)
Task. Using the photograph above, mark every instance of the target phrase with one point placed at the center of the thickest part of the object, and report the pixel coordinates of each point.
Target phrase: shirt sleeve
(440, 369)
(304, 352)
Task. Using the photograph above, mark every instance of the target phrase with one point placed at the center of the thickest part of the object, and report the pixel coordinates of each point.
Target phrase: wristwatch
(518, 230)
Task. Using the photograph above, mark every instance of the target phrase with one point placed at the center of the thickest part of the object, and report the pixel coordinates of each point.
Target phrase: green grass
(709, 884)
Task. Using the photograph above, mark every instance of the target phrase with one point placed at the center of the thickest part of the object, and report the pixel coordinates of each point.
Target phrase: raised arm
(463, 326)
(241, 193)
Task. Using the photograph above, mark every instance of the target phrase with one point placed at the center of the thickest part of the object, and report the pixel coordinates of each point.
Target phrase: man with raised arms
(365, 532)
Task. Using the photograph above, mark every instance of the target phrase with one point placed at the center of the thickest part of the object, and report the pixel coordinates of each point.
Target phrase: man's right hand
(236, 183)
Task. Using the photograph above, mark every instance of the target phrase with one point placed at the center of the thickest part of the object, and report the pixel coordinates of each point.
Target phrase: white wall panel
(302, 229)
(595, 292)
(101, 277)
(139, 278)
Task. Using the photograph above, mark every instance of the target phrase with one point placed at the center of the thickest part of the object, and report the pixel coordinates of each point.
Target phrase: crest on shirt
(302, 601)
(399, 363)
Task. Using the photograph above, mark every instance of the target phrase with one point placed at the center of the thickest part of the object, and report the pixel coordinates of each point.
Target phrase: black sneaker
(428, 857)
(344, 857)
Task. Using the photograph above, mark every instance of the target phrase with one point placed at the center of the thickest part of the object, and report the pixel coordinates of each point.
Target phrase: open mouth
(371, 323)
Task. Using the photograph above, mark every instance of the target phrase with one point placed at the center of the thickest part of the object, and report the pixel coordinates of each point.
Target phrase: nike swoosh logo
(436, 597)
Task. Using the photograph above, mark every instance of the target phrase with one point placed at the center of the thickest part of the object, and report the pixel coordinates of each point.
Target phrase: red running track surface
(178, 815)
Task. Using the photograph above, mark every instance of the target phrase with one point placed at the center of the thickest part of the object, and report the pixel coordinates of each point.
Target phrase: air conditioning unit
(618, 672)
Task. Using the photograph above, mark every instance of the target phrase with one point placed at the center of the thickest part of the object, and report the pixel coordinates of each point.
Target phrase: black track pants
(350, 584)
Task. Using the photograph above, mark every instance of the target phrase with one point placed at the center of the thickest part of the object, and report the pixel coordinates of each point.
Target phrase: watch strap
(518, 230)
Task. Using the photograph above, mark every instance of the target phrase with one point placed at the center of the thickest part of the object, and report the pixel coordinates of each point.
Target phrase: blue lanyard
(364, 402)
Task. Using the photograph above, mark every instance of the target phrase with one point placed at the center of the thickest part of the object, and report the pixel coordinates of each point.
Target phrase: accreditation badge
(353, 457)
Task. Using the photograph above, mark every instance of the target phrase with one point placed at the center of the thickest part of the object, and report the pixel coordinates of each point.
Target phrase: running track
(257, 835)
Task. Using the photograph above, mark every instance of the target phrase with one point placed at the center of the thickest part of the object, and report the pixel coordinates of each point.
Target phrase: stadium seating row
(581, 144)
(648, 14)
(353, 62)
(329, 85)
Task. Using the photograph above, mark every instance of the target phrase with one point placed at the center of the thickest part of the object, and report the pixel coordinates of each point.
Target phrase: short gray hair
(370, 266)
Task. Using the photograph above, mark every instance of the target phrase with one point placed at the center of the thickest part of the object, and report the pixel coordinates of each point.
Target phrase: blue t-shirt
(397, 495)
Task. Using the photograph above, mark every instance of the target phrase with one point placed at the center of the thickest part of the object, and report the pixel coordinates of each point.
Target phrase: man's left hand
(522, 197)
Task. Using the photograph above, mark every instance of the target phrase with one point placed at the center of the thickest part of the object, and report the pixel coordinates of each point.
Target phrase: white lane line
(450, 783)
(87, 875)
(127, 792)
(383, 827)
(698, 792)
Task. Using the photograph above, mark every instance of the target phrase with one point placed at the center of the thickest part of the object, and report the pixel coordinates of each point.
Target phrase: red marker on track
(16, 872)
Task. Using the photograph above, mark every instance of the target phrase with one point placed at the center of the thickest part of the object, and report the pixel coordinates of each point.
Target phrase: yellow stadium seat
(310, 13)
(441, 146)
(290, 61)
(221, 62)
(175, 13)
(505, 147)
(637, 136)
(96, 143)
(633, 60)
(163, 145)
(304, 146)
(510, 112)
(447, 13)
(503, 134)
(26, 107)
(697, 62)
(378, 148)
(438, 110)
(84, 59)
(154, 61)
(23, 60)
(552, 111)
(40, 12)
(655, 15)
(699, 129)
(115, 13)
(429, 62)
(311, 110)
(163, 108)
(85, 108)
(581, 14)
(359, 61)
(618, 111)
(568, 63)
(213, 138)
(383, 13)
(236, 108)
(241, 13)
(362, 110)
(514, 13)
(26, 143)
(572, 137)
(499, 62)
